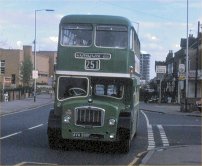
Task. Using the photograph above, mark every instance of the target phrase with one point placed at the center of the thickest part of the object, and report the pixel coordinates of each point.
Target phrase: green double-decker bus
(97, 81)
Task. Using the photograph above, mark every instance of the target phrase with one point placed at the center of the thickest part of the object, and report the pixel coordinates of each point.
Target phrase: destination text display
(81, 55)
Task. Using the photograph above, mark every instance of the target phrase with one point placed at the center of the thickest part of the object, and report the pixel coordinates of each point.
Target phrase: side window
(2, 66)
(132, 39)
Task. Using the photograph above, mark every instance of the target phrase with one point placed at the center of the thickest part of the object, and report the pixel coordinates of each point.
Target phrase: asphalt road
(24, 139)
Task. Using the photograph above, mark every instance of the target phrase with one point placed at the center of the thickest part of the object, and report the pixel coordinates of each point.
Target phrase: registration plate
(77, 134)
(92, 64)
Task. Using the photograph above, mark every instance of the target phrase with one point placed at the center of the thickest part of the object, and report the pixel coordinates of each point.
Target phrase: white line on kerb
(35, 127)
(10, 135)
(163, 135)
(147, 120)
(151, 142)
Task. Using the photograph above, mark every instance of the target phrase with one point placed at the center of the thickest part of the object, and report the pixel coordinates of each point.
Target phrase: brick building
(11, 61)
(172, 84)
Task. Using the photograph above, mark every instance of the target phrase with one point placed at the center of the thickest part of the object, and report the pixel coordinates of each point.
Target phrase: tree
(26, 71)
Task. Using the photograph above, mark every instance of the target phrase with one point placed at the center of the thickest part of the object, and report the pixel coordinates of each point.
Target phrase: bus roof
(96, 19)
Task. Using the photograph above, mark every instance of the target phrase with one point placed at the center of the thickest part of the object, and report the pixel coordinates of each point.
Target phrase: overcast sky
(160, 23)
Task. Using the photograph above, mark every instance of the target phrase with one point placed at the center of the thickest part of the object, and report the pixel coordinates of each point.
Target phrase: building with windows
(11, 61)
(145, 67)
(174, 80)
(194, 66)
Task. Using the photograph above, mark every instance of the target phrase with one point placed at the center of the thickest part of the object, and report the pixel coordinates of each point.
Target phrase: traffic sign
(7, 80)
(181, 72)
(181, 68)
(35, 74)
(161, 69)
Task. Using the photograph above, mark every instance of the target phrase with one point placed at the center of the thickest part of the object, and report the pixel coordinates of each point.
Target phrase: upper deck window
(76, 35)
(112, 36)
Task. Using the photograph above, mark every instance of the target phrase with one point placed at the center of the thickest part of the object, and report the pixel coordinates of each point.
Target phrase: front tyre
(124, 140)
(54, 139)
(125, 146)
(54, 130)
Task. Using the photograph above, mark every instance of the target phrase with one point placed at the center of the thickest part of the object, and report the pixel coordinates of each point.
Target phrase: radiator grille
(90, 116)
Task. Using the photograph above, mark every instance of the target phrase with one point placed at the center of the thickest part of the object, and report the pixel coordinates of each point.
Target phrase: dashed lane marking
(10, 135)
(35, 126)
(19, 132)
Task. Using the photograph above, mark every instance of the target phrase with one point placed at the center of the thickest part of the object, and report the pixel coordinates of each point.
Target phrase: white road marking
(151, 142)
(35, 127)
(163, 135)
(10, 135)
(25, 110)
(33, 163)
(181, 125)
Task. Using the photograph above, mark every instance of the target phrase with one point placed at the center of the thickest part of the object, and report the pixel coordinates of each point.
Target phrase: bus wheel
(54, 139)
(125, 145)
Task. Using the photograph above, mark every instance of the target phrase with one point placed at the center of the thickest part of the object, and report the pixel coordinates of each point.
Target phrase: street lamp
(187, 58)
(138, 24)
(48, 10)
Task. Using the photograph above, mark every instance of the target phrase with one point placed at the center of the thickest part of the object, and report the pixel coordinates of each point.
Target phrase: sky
(160, 24)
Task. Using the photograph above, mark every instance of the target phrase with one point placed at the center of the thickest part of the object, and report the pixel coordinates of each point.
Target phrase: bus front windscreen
(72, 87)
(115, 36)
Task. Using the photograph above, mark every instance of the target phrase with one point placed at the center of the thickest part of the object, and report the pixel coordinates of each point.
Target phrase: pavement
(167, 109)
(173, 155)
(177, 155)
(24, 104)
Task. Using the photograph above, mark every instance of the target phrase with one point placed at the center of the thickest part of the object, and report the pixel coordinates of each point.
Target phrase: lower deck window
(108, 87)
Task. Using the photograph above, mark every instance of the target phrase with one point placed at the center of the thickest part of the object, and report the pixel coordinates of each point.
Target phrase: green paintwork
(121, 60)
(112, 110)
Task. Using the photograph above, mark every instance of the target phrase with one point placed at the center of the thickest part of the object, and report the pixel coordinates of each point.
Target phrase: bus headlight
(111, 136)
(68, 112)
(112, 122)
(59, 104)
(66, 118)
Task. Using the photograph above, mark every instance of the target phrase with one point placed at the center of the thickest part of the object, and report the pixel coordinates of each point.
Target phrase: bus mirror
(90, 91)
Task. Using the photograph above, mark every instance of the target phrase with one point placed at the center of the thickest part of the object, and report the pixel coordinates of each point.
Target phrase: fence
(15, 93)
(191, 104)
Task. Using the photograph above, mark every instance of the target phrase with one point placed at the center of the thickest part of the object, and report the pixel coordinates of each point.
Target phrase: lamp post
(138, 25)
(197, 55)
(35, 77)
(187, 58)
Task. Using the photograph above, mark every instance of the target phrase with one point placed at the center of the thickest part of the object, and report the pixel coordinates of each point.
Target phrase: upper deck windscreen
(76, 35)
(111, 36)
